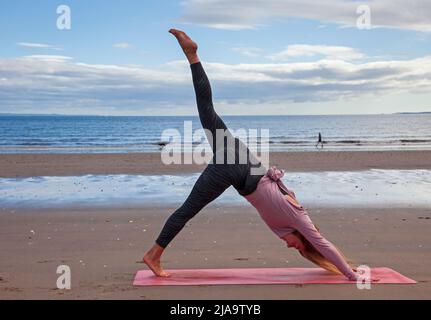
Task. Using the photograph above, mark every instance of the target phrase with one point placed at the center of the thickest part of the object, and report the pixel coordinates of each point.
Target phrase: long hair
(317, 258)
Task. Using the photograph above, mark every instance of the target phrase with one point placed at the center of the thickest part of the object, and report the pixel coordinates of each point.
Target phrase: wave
(141, 145)
(348, 141)
(165, 143)
(415, 140)
(311, 142)
(35, 144)
(353, 141)
(287, 142)
(294, 142)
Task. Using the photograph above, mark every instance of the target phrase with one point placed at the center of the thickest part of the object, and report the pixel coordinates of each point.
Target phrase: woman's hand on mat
(354, 277)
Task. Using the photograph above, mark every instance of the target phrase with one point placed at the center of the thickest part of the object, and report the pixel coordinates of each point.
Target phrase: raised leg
(210, 120)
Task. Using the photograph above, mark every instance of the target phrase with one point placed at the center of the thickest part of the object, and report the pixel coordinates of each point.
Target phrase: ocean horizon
(125, 134)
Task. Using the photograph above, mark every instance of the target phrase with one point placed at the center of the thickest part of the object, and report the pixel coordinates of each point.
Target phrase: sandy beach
(104, 246)
(28, 165)
(103, 249)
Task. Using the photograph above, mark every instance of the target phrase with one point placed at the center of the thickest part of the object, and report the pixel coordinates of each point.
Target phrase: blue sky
(263, 57)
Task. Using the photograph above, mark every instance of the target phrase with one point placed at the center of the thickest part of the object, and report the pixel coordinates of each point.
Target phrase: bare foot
(154, 265)
(187, 44)
(189, 47)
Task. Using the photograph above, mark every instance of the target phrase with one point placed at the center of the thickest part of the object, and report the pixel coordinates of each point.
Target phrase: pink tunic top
(284, 217)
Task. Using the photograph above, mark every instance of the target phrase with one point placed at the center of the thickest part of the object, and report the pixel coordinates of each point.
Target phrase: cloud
(123, 45)
(330, 52)
(248, 51)
(39, 46)
(59, 83)
(248, 14)
(46, 57)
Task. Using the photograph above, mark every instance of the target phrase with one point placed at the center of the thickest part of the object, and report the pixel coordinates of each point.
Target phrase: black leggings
(218, 175)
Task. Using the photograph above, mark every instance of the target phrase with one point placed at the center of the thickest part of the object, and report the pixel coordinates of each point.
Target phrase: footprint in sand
(45, 261)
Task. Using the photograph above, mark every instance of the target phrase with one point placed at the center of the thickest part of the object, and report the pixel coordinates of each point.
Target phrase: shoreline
(30, 165)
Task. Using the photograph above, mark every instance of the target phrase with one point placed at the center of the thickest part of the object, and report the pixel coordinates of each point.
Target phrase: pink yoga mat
(190, 277)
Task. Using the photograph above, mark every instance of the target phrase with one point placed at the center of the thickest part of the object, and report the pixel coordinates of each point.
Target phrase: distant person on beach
(276, 204)
(319, 141)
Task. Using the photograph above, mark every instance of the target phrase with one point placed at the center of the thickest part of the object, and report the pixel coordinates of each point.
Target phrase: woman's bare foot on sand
(189, 47)
(152, 260)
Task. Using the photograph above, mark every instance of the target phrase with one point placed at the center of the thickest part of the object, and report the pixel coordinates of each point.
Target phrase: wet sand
(29, 165)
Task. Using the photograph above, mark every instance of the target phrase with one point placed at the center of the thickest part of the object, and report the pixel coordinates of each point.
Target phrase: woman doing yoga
(276, 204)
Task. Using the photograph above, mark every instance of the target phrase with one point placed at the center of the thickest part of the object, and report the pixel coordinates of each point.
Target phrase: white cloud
(248, 51)
(47, 57)
(59, 83)
(246, 14)
(330, 52)
(39, 46)
(123, 45)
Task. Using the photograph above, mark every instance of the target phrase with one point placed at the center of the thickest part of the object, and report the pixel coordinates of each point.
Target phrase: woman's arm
(305, 226)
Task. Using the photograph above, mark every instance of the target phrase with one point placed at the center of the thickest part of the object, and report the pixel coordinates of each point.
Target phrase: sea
(124, 134)
(100, 134)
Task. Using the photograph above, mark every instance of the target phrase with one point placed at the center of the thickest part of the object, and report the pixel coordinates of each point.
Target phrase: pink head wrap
(275, 174)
